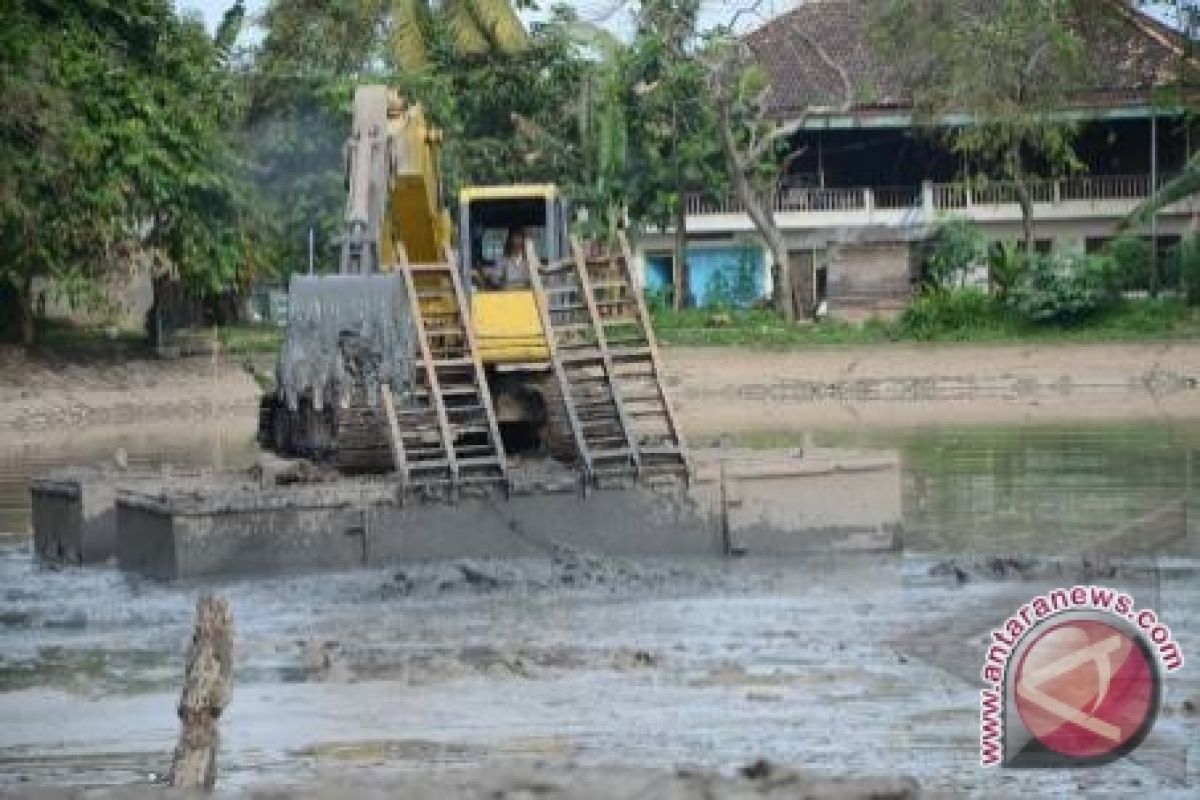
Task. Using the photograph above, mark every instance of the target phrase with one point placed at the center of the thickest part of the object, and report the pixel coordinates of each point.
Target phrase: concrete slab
(179, 527)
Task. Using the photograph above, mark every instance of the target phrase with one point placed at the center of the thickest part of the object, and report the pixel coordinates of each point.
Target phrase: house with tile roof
(865, 187)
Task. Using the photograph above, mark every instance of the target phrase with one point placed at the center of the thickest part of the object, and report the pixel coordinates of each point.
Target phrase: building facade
(864, 189)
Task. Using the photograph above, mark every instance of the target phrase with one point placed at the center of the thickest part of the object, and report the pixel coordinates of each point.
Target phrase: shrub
(957, 246)
(1066, 287)
(967, 311)
(658, 299)
(1186, 258)
(1006, 264)
(1131, 256)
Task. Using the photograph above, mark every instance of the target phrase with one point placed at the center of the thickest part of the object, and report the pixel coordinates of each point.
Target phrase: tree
(1009, 65)
(755, 145)
(112, 147)
(672, 124)
(301, 88)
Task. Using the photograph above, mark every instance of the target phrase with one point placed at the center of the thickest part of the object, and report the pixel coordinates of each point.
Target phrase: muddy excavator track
(361, 441)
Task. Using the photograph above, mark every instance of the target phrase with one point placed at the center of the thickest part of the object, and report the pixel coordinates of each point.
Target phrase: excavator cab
(508, 326)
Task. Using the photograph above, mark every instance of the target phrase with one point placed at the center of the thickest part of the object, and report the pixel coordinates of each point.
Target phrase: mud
(580, 669)
(860, 666)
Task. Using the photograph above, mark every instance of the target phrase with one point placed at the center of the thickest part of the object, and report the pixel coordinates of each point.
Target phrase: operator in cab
(511, 272)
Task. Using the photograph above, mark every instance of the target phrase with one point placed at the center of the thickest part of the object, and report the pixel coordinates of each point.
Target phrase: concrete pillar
(927, 203)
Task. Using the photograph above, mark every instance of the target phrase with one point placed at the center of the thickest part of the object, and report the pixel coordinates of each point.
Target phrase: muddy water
(860, 664)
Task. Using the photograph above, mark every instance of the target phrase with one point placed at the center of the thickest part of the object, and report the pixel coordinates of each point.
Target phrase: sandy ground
(38, 396)
(737, 390)
(718, 390)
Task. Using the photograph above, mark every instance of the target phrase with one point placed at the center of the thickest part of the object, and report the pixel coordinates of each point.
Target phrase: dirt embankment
(718, 390)
(39, 394)
(736, 390)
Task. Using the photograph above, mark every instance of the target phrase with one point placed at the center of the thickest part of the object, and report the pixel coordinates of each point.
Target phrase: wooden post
(206, 690)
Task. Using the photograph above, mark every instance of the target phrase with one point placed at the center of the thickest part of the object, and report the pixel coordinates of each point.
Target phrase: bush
(1186, 264)
(1066, 287)
(1006, 265)
(956, 247)
(1132, 256)
(945, 314)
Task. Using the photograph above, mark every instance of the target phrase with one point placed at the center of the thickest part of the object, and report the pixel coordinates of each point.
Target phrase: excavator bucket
(346, 330)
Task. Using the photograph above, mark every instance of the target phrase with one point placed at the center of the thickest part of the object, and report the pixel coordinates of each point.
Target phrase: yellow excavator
(444, 354)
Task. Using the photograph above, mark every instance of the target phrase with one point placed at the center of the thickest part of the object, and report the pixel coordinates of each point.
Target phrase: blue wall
(707, 263)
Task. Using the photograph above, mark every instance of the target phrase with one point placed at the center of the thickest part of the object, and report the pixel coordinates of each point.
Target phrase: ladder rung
(630, 353)
(660, 451)
(439, 363)
(491, 461)
(582, 358)
(466, 429)
(447, 391)
(429, 268)
(606, 455)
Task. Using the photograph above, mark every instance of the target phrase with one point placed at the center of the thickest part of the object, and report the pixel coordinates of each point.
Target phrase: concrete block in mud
(239, 529)
(635, 522)
(189, 527)
(776, 504)
(74, 516)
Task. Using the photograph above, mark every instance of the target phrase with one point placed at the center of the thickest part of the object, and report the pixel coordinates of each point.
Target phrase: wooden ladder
(446, 434)
(606, 360)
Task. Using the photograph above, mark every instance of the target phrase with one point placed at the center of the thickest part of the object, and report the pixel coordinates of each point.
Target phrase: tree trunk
(760, 213)
(1026, 201)
(25, 310)
(681, 284)
(1016, 171)
(206, 692)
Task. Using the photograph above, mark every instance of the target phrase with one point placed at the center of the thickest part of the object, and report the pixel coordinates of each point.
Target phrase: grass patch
(966, 319)
(251, 339)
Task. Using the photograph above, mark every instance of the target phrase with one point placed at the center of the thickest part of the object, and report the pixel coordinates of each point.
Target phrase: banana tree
(1182, 187)
(476, 27)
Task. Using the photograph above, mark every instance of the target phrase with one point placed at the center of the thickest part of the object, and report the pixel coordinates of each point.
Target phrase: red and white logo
(1073, 679)
(1085, 689)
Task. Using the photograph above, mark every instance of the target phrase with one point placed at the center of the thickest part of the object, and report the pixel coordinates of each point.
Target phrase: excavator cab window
(487, 227)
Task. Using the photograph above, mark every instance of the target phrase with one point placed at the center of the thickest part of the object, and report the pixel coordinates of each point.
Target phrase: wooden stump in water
(206, 691)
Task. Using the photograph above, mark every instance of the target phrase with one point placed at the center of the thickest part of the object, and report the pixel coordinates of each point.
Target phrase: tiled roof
(1129, 54)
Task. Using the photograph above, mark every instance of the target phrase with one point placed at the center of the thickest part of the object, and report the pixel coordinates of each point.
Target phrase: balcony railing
(935, 197)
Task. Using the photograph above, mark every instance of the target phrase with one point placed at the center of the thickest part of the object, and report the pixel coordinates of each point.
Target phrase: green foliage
(1185, 259)
(671, 115)
(1132, 256)
(956, 247)
(1006, 265)
(1009, 64)
(944, 315)
(967, 316)
(1066, 288)
(113, 146)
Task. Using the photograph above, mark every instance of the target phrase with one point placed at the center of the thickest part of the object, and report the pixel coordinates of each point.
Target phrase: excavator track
(361, 444)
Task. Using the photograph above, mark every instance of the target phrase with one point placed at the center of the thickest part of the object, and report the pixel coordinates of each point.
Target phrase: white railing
(935, 197)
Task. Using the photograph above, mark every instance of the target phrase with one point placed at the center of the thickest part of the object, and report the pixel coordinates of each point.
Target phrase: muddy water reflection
(830, 665)
(205, 443)
(1037, 490)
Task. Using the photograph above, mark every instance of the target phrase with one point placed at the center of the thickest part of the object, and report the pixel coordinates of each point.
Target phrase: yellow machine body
(507, 323)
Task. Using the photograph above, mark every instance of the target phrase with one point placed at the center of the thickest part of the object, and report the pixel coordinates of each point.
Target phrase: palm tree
(476, 27)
